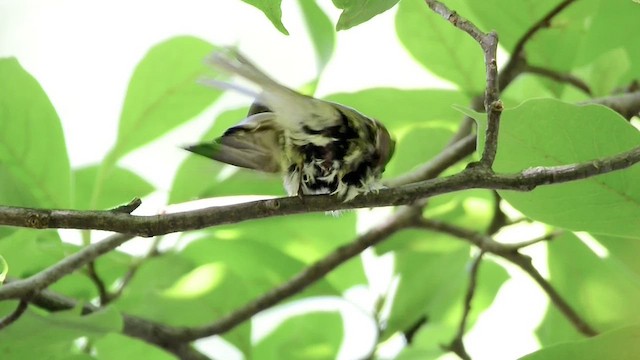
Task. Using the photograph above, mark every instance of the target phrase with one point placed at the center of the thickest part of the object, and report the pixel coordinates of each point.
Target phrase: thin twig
(558, 76)
(499, 218)
(527, 243)
(55, 272)
(627, 105)
(457, 344)
(15, 315)
(514, 65)
(103, 293)
(492, 104)
(487, 244)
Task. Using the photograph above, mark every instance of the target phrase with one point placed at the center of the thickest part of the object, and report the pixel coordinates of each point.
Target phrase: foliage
(225, 267)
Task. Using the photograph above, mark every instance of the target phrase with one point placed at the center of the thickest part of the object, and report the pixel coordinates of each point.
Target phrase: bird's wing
(294, 110)
(255, 143)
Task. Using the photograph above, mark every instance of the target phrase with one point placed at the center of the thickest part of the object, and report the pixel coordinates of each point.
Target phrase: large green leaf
(417, 290)
(415, 146)
(307, 238)
(257, 263)
(116, 347)
(440, 47)
(163, 92)
(546, 132)
(29, 251)
(513, 19)
(321, 32)
(446, 311)
(185, 293)
(471, 209)
(34, 167)
(610, 27)
(311, 336)
(399, 108)
(620, 344)
(120, 186)
(272, 10)
(601, 289)
(356, 12)
(37, 333)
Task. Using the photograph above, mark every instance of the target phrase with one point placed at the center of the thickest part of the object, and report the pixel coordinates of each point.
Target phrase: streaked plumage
(318, 146)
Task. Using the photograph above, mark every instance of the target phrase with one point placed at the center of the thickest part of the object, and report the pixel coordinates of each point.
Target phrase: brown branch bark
(15, 314)
(472, 178)
(492, 104)
(457, 344)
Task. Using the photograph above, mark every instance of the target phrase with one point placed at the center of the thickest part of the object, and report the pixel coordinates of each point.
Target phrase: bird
(319, 147)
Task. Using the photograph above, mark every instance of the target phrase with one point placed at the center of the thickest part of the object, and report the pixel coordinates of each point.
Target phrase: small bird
(318, 146)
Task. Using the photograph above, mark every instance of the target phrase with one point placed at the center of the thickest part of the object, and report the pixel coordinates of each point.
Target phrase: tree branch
(39, 281)
(559, 77)
(147, 330)
(627, 105)
(487, 244)
(15, 315)
(457, 344)
(471, 178)
(492, 104)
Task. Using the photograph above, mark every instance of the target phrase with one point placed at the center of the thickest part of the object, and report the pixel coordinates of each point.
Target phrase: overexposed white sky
(83, 53)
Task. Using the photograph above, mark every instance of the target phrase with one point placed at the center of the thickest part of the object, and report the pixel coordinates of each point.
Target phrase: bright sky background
(83, 53)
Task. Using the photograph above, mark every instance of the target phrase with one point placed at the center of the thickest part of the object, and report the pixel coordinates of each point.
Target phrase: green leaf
(34, 167)
(605, 293)
(311, 336)
(184, 293)
(120, 186)
(440, 47)
(513, 19)
(257, 263)
(608, 70)
(307, 238)
(427, 342)
(37, 333)
(320, 31)
(610, 27)
(30, 251)
(440, 298)
(164, 93)
(399, 108)
(272, 10)
(448, 308)
(546, 132)
(356, 12)
(417, 293)
(471, 209)
(415, 146)
(620, 344)
(116, 347)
